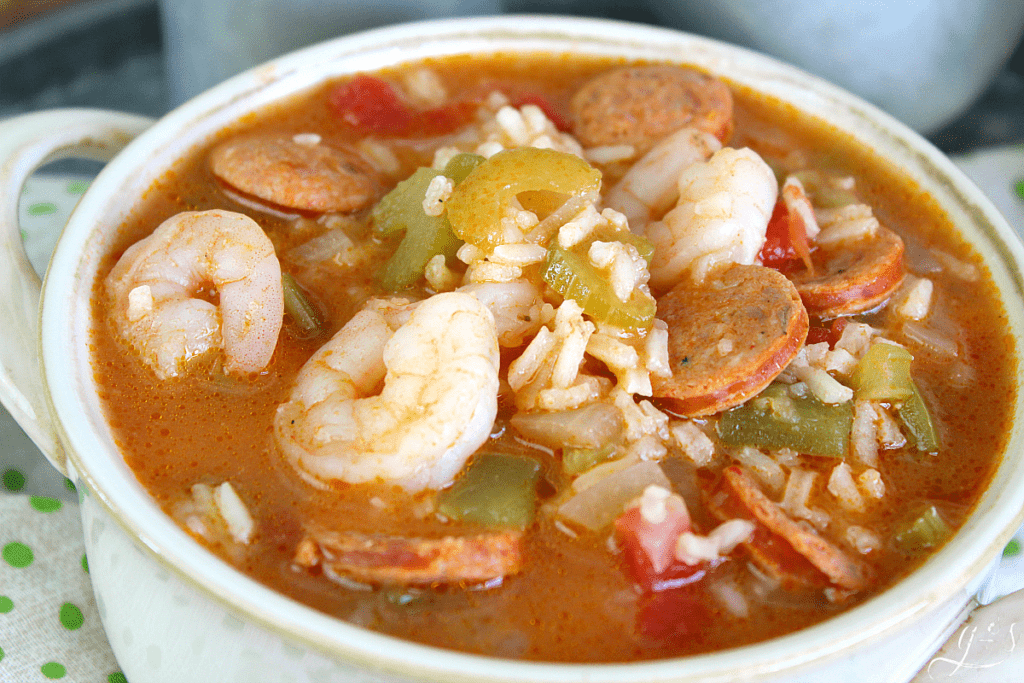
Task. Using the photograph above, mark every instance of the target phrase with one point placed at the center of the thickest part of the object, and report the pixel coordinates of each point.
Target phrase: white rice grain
(438, 192)
(764, 468)
(871, 483)
(916, 299)
(239, 522)
(864, 434)
(609, 154)
(864, 541)
(694, 443)
(842, 486)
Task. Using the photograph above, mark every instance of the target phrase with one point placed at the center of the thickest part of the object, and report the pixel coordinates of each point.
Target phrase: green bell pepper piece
(496, 491)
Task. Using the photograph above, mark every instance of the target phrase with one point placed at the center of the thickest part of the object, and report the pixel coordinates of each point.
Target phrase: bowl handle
(26, 143)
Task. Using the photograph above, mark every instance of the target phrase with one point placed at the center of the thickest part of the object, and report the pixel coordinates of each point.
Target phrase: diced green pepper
(774, 420)
(883, 374)
(299, 309)
(497, 491)
(579, 460)
(914, 414)
(926, 531)
(477, 204)
(425, 236)
(571, 275)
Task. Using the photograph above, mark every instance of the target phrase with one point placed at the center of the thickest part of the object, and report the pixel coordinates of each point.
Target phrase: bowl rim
(93, 457)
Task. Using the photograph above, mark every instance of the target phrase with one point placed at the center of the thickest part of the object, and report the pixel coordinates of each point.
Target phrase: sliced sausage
(296, 173)
(377, 559)
(852, 277)
(775, 530)
(640, 105)
(728, 337)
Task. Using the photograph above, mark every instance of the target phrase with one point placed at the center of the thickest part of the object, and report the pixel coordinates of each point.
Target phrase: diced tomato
(372, 105)
(676, 614)
(778, 251)
(650, 549)
(785, 244)
(831, 334)
(561, 122)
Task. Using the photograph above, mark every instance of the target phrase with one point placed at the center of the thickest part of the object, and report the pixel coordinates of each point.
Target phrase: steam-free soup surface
(567, 588)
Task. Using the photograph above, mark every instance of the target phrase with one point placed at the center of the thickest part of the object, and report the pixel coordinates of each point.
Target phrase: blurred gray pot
(207, 41)
(924, 61)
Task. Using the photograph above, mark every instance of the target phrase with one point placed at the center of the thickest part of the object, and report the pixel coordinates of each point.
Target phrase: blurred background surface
(952, 69)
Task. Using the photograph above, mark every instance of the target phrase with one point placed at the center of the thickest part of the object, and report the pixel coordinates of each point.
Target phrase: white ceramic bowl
(175, 612)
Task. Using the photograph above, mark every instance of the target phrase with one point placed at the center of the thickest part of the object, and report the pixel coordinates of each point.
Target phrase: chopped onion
(931, 338)
(591, 426)
(599, 505)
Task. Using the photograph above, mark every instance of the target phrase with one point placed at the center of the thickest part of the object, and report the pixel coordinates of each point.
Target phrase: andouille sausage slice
(383, 560)
(640, 105)
(852, 277)
(744, 496)
(728, 337)
(299, 172)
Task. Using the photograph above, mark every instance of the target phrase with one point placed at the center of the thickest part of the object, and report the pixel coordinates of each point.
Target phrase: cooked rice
(692, 441)
(842, 486)
(307, 139)
(518, 254)
(914, 302)
(764, 468)
(864, 434)
(439, 276)
(579, 227)
(871, 484)
(425, 88)
(656, 350)
(438, 192)
(864, 541)
(609, 154)
(797, 494)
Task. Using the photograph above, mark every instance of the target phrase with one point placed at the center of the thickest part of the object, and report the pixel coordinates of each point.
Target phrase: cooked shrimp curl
(437, 406)
(164, 286)
(720, 218)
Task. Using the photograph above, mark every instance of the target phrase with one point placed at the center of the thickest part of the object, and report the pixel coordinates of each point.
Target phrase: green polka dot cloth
(49, 626)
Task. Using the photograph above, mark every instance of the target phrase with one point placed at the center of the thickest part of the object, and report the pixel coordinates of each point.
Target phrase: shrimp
(437, 406)
(721, 217)
(160, 290)
(516, 307)
(651, 185)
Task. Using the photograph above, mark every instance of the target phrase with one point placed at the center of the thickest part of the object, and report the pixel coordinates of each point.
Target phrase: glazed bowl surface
(176, 612)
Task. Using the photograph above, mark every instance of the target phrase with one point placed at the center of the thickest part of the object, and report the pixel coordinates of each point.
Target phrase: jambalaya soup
(553, 358)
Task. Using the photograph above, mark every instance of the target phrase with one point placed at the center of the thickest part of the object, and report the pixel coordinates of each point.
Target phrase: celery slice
(476, 206)
(496, 491)
(913, 413)
(572, 276)
(425, 236)
(883, 374)
(927, 531)
(299, 309)
(774, 420)
(461, 165)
